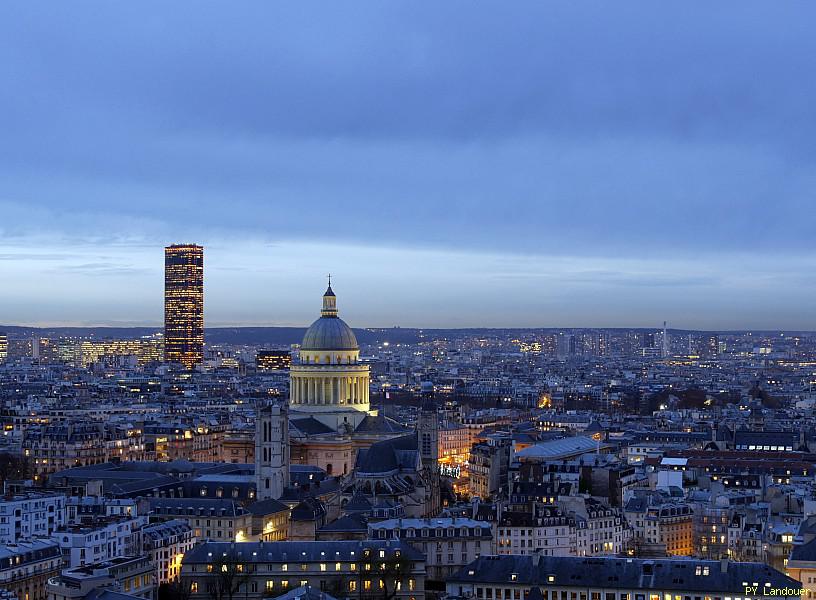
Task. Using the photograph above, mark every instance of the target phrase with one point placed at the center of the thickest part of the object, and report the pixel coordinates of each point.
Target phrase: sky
(452, 164)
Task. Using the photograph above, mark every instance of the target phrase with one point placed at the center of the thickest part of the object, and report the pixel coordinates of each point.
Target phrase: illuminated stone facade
(327, 381)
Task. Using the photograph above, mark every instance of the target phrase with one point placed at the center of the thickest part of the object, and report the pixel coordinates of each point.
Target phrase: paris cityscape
(389, 301)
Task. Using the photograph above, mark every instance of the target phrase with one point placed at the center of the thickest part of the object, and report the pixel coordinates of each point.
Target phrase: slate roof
(621, 573)
(267, 507)
(804, 552)
(388, 455)
(182, 506)
(310, 426)
(379, 424)
(308, 510)
(788, 439)
(358, 503)
(347, 524)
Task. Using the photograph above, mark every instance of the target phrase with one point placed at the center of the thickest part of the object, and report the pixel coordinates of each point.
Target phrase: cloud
(547, 131)
(101, 270)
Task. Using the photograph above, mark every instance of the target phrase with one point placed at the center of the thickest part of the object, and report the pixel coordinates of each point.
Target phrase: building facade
(26, 567)
(448, 543)
(165, 544)
(31, 515)
(184, 304)
(384, 569)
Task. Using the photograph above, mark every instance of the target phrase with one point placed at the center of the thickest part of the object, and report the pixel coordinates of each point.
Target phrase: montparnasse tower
(327, 381)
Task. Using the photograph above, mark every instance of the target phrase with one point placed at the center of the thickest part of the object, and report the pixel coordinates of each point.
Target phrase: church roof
(310, 426)
(388, 455)
(346, 524)
(267, 507)
(379, 424)
(329, 333)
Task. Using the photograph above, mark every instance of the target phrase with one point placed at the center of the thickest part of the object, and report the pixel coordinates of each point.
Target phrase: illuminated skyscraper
(3, 348)
(184, 304)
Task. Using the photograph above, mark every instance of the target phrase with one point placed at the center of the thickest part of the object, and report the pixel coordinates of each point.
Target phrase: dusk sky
(450, 163)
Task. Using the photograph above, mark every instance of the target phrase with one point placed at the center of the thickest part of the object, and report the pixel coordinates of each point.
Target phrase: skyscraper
(184, 304)
(3, 347)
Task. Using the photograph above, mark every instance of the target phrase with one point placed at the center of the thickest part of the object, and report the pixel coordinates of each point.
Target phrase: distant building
(273, 360)
(30, 515)
(165, 544)
(102, 541)
(26, 567)
(488, 466)
(448, 543)
(184, 304)
(124, 577)
(3, 348)
(216, 519)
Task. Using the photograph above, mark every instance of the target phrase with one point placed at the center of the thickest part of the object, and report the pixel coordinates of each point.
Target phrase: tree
(13, 466)
(178, 589)
(228, 575)
(387, 576)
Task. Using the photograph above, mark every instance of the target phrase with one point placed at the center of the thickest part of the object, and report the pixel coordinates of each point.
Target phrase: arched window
(329, 469)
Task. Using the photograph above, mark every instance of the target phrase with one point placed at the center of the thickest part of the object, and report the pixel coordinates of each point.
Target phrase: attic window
(550, 578)
(513, 576)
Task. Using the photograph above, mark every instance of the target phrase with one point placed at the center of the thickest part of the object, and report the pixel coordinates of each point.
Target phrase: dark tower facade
(184, 304)
(428, 441)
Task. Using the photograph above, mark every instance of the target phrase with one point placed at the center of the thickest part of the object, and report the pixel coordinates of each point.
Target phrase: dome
(329, 333)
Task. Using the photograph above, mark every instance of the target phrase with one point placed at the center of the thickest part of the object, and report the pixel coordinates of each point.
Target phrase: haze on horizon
(533, 164)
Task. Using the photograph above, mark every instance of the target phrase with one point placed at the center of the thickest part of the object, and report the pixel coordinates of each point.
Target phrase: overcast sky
(450, 163)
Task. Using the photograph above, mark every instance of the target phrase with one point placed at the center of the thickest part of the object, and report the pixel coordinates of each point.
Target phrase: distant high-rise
(184, 304)
(3, 348)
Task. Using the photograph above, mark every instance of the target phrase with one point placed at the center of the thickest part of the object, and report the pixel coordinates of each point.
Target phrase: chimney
(724, 565)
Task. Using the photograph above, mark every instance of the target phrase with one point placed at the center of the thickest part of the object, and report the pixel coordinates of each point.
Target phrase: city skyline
(588, 166)
(141, 304)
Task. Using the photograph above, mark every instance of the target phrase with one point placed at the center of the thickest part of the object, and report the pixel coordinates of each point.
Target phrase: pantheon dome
(329, 332)
(328, 381)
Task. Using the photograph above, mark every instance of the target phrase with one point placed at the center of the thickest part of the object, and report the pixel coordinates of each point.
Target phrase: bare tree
(178, 589)
(386, 577)
(228, 575)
